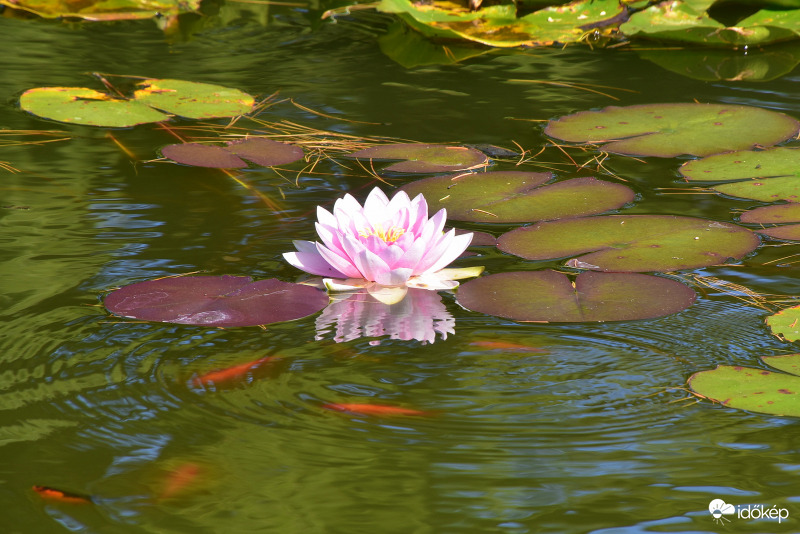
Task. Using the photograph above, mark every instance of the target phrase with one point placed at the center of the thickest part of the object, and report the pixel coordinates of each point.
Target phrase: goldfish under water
(375, 409)
(229, 375)
(53, 494)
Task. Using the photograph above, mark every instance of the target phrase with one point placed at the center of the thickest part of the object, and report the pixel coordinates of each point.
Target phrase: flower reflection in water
(420, 315)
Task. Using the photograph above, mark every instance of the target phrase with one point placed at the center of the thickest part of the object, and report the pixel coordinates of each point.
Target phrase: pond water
(578, 429)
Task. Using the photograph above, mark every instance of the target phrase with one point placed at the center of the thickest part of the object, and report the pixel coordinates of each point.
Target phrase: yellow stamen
(388, 236)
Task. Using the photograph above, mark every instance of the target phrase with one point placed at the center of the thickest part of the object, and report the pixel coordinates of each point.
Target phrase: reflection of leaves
(754, 389)
(420, 316)
(549, 296)
(632, 243)
(513, 196)
(153, 102)
(669, 130)
(223, 301)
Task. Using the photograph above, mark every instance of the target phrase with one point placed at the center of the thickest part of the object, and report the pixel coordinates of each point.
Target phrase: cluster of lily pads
(611, 262)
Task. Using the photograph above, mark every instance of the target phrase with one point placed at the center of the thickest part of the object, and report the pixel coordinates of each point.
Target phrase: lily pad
(155, 102)
(79, 105)
(767, 190)
(194, 100)
(670, 130)
(785, 323)
(753, 389)
(632, 243)
(223, 301)
(514, 196)
(550, 296)
(422, 158)
(780, 213)
(258, 150)
(105, 10)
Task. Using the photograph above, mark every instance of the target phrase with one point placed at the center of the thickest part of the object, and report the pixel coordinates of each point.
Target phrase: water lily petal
(308, 259)
(370, 264)
(342, 264)
(395, 277)
(456, 246)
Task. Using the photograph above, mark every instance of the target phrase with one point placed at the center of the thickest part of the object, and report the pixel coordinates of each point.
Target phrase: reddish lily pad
(513, 196)
(550, 296)
(258, 150)
(784, 324)
(669, 130)
(754, 389)
(780, 213)
(632, 243)
(223, 301)
(422, 158)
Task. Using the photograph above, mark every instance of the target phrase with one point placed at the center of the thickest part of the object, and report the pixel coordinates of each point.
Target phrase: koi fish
(375, 409)
(53, 494)
(231, 374)
(180, 479)
(505, 345)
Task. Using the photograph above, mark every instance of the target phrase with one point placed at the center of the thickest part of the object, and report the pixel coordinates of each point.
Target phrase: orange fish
(180, 480)
(375, 409)
(52, 494)
(231, 374)
(505, 345)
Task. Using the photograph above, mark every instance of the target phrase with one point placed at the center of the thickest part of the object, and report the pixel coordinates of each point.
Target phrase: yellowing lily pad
(551, 297)
(422, 158)
(632, 243)
(669, 130)
(105, 10)
(513, 196)
(754, 389)
(786, 323)
(157, 101)
(79, 105)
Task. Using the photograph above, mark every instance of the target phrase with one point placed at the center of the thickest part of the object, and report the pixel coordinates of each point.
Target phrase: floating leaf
(422, 158)
(223, 301)
(767, 190)
(781, 213)
(632, 243)
(194, 100)
(79, 105)
(785, 323)
(105, 10)
(514, 196)
(550, 296)
(258, 150)
(753, 389)
(669, 130)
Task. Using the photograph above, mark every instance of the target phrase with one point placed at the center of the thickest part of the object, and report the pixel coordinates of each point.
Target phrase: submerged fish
(231, 374)
(375, 409)
(53, 494)
(505, 345)
(181, 480)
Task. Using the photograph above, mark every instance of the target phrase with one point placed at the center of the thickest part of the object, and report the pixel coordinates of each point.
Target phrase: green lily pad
(105, 10)
(79, 105)
(785, 323)
(670, 130)
(422, 158)
(155, 102)
(264, 152)
(632, 243)
(551, 297)
(766, 190)
(514, 196)
(688, 21)
(753, 389)
(194, 100)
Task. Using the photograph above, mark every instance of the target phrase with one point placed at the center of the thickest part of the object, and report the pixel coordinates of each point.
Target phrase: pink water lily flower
(384, 243)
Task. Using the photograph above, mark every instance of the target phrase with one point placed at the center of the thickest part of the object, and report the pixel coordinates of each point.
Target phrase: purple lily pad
(260, 151)
(223, 301)
(632, 243)
(669, 130)
(551, 297)
(422, 158)
(514, 196)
